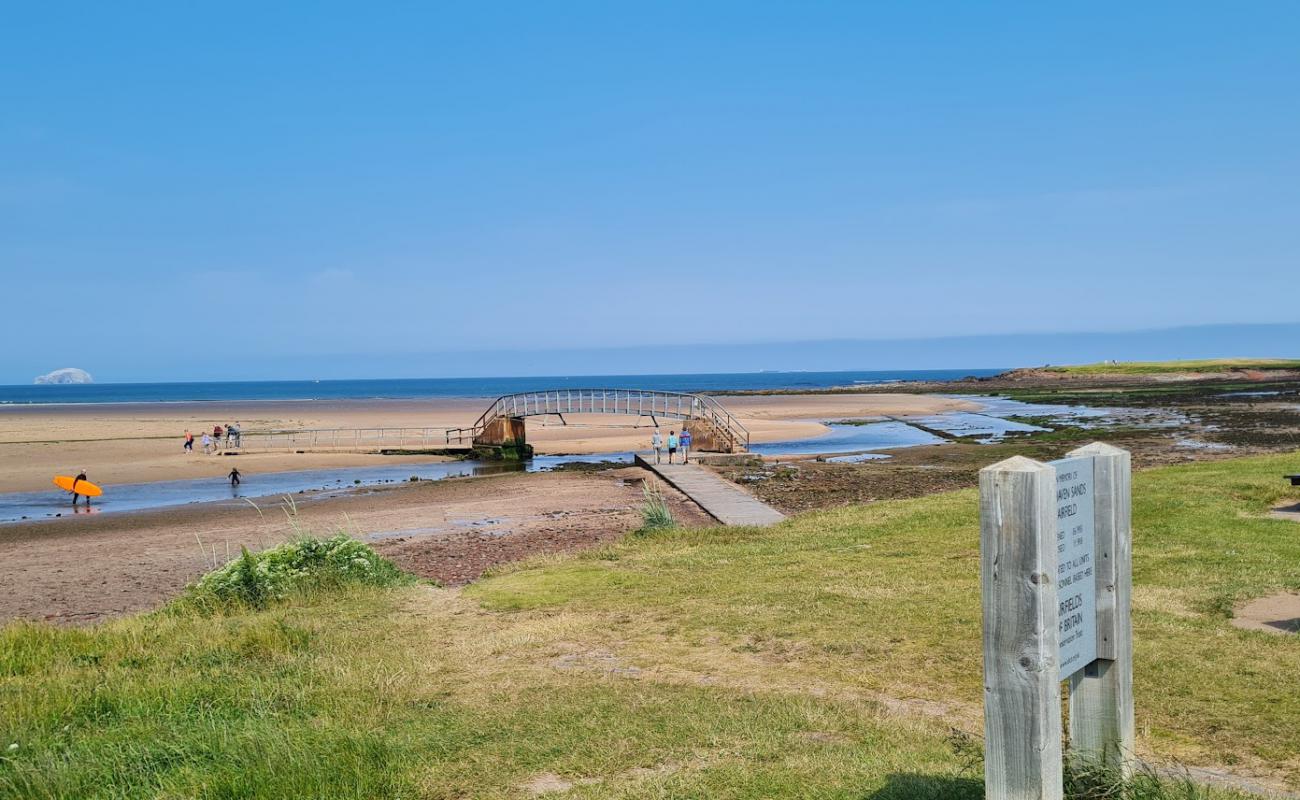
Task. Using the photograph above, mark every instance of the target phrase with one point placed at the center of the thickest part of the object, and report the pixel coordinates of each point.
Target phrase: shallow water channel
(17, 506)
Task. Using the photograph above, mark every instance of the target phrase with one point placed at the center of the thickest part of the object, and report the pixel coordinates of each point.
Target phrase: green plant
(1089, 782)
(655, 513)
(255, 579)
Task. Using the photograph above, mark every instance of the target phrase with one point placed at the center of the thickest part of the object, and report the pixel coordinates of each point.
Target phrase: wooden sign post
(1055, 572)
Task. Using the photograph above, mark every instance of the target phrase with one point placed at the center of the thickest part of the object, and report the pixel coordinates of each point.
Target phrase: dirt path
(1276, 613)
(84, 569)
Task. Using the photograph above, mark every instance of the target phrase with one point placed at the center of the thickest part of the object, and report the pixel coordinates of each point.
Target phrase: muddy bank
(1161, 419)
(85, 569)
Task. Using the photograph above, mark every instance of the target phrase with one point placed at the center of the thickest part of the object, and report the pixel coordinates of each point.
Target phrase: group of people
(674, 443)
(212, 441)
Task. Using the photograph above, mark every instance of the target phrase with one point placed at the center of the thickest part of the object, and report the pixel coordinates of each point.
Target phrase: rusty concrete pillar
(508, 435)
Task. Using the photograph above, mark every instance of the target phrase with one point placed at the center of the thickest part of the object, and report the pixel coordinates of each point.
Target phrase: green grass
(828, 657)
(1197, 365)
(655, 513)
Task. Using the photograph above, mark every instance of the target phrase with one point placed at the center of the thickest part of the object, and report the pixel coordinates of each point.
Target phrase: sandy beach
(141, 442)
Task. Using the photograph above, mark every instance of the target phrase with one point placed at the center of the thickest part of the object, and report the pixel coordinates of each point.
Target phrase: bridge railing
(636, 402)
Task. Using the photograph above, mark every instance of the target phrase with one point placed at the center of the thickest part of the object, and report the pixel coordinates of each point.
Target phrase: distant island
(66, 375)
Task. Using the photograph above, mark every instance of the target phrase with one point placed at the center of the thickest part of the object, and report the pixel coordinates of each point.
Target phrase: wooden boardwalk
(720, 498)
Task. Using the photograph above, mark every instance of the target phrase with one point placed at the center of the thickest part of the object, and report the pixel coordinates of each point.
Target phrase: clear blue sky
(191, 191)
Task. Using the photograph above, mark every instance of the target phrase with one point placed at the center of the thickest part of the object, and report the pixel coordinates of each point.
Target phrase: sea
(423, 388)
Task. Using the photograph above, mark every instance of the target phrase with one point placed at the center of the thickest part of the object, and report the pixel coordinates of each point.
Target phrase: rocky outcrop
(66, 375)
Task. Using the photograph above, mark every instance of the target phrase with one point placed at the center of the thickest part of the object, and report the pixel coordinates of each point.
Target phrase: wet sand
(84, 569)
(141, 442)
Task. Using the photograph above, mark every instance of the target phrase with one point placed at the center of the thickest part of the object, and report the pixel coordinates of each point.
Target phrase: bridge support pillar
(705, 437)
(506, 436)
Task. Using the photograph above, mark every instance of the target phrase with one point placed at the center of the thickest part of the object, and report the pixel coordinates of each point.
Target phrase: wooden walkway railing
(354, 439)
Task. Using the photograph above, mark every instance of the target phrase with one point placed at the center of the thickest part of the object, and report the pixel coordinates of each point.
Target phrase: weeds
(255, 579)
(655, 513)
(1104, 783)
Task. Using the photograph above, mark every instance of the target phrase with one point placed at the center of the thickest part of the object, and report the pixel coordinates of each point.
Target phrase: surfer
(81, 476)
(234, 476)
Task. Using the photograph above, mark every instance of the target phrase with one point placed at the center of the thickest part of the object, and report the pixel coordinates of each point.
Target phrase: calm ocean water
(416, 388)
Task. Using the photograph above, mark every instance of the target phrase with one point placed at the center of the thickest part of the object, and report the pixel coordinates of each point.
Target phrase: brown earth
(88, 568)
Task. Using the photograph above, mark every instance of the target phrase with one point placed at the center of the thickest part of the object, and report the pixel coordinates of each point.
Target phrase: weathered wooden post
(1022, 690)
(1101, 695)
(1056, 575)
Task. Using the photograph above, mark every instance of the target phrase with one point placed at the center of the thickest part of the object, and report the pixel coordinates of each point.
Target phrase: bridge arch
(712, 426)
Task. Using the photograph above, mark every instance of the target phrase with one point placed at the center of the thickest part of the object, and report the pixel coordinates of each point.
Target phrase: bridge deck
(720, 498)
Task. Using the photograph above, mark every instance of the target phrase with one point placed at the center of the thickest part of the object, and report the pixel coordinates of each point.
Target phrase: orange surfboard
(84, 488)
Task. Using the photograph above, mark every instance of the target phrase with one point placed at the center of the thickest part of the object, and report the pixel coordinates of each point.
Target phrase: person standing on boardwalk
(686, 446)
(234, 476)
(657, 442)
(672, 445)
(81, 476)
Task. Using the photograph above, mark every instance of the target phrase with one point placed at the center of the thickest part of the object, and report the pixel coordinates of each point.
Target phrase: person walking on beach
(657, 442)
(207, 444)
(686, 446)
(238, 433)
(189, 442)
(234, 476)
(230, 433)
(217, 433)
(672, 445)
(81, 476)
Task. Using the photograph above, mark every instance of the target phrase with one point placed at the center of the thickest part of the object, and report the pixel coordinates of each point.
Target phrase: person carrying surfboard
(81, 476)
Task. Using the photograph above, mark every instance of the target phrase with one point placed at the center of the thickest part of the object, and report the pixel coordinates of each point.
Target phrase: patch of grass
(655, 513)
(883, 601)
(827, 657)
(303, 564)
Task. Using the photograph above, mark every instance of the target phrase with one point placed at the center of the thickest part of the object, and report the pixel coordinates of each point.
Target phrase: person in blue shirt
(672, 445)
(686, 446)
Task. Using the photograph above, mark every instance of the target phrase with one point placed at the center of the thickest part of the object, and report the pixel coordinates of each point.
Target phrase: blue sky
(204, 191)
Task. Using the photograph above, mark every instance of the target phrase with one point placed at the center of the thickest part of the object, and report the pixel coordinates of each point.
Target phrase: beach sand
(141, 442)
(84, 569)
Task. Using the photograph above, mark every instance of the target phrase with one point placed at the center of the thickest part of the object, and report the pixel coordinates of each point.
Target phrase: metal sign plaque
(1076, 583)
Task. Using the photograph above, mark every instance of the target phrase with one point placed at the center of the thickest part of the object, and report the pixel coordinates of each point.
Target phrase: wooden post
(1101, 695)
(1022, 686)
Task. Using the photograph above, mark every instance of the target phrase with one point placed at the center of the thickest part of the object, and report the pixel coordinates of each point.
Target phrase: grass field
(829, 657)
(1208, 365)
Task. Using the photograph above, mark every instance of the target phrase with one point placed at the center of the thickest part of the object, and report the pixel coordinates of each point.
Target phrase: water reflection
(847, 438)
